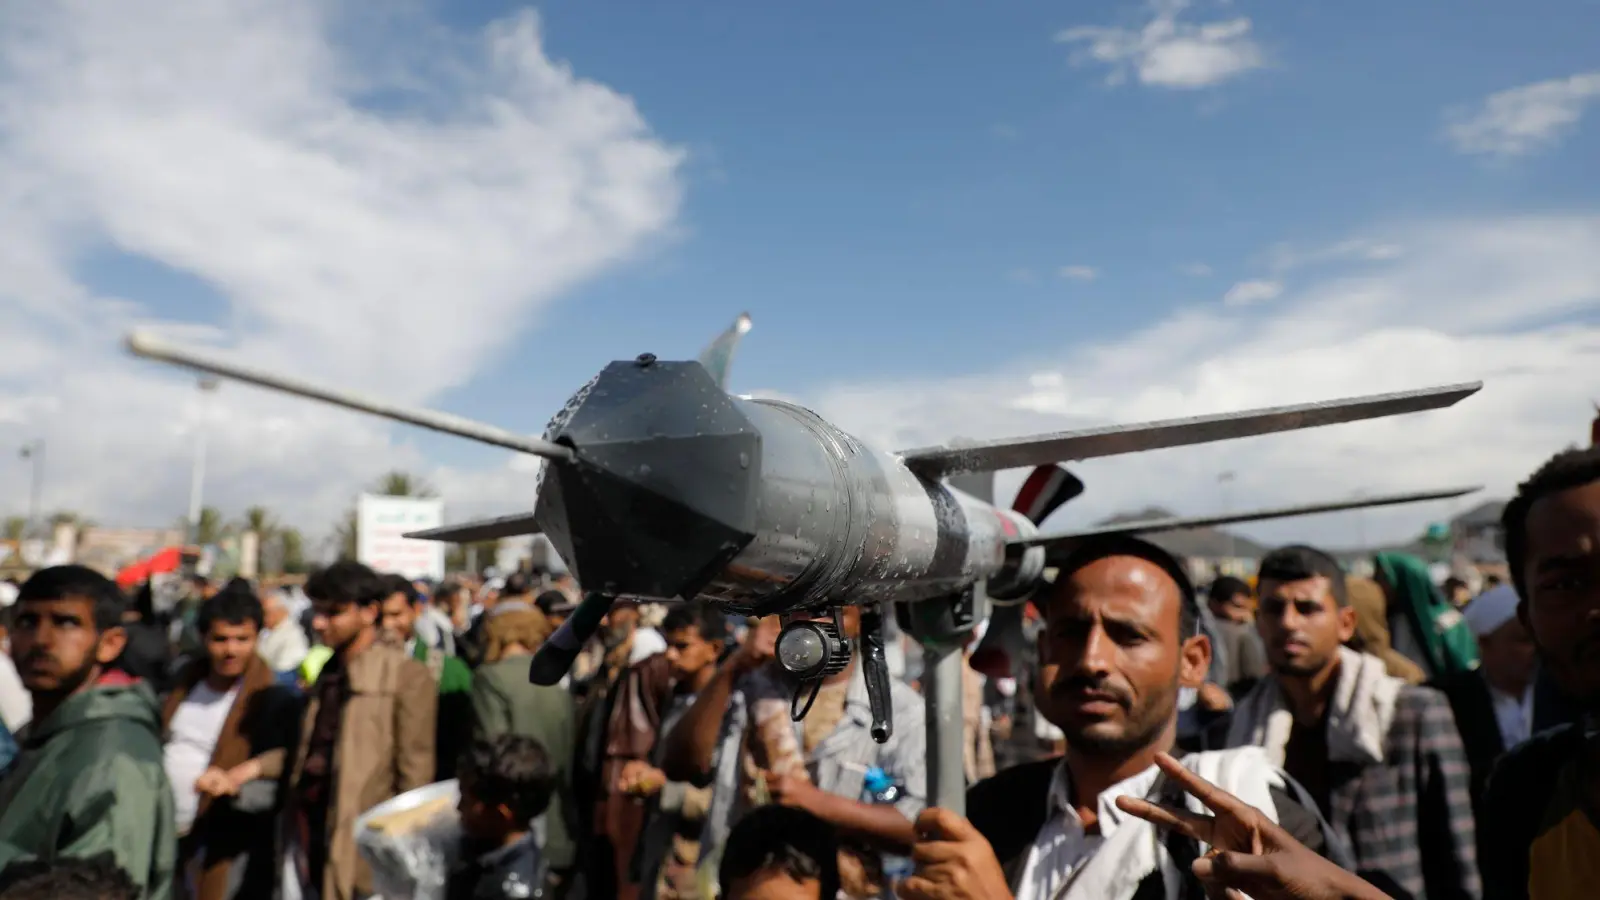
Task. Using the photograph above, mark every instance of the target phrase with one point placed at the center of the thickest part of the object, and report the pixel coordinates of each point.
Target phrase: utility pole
(33, 452)
(197, 475)
(1224, 481)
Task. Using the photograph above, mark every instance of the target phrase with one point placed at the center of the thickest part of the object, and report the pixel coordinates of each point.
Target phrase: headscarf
(1440, 629)
(1372, 630)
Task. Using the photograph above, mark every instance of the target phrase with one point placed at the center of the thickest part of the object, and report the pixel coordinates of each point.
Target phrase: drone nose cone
(662, 492)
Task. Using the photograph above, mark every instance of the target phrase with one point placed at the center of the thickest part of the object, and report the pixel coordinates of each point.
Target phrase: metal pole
(1226, 479)
(946, 727)
(1361, 523)
(34, 453)
(197, 476)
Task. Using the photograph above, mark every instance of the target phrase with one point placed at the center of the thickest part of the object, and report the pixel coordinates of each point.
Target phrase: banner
(380, 522)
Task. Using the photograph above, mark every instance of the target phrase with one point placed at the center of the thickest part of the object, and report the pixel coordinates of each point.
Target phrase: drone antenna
(150, 347)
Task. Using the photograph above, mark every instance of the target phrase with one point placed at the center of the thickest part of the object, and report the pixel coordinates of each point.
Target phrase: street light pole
(197, 476)
(1224, 480)
(34, 454)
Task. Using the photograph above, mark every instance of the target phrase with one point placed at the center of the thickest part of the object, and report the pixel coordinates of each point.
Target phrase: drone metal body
(660, 484)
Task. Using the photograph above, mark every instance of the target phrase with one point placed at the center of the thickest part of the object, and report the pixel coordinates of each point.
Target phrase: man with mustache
(89, 779)
(1121, 639)
(1382, 758)
(1539, 837)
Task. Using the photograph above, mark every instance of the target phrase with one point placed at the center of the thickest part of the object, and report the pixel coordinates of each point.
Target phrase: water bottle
(878, 787)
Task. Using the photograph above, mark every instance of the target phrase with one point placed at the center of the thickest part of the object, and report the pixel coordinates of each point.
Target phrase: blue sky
(918, 203)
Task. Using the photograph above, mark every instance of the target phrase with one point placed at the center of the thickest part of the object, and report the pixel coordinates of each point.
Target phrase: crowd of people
(1304, 733)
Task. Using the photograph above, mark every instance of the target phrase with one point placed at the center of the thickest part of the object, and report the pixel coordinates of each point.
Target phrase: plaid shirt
(1409, 822)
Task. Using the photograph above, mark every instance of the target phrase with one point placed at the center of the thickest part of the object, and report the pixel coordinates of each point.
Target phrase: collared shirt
(1063, 846)
(1514, 715)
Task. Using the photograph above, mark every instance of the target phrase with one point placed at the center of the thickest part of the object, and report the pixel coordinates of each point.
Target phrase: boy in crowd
(780, 853)
(506, 783)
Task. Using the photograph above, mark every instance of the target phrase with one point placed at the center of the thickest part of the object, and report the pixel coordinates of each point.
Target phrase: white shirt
(647, 642)
(16, 704)
(196, 725)
(1514, 715)
(284, 647)
(1062, 846)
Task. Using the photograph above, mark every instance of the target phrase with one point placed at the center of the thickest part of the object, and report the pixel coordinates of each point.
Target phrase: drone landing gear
(814, 650)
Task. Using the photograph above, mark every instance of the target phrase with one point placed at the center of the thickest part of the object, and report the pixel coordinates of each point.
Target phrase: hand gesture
(640, 778)
(954, 862)
(214, 782)
(1214, 698)
(1250, 854)
(794, 790)
(760, 645)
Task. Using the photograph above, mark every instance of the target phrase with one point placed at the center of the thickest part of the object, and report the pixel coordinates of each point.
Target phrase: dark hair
(549, 601)
(447, 590)
(513, 769)
(516, 585)
(95, 878)
(782, 839)
(345, 583)
(399, 584)
(707, 620)
(1452, 584)
(1298, 562)
(1226, 587)
(236, 604)
(1566, 470)
(1093, 549)
(59, 582)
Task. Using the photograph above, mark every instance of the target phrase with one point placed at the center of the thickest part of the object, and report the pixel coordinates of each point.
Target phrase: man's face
(230, 647)
(56, 646)
(773, 884)
(1508, 655)
(397, 616)
(1561, 578)
(688, 653)
(1111, 656)
(337, 625)
(1302, 625)
(1234, 608)
(273, 609)
(621, 622)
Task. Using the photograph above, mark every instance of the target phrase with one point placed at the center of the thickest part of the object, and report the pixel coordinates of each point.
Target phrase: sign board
(380, 522)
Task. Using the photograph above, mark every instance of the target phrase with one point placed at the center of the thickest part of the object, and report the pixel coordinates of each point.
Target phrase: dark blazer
(1473, 706)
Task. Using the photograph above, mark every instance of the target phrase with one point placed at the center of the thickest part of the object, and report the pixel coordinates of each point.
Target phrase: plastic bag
(413, 860)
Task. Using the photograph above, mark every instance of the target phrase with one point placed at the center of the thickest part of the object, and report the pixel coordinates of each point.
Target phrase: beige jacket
(385, 748)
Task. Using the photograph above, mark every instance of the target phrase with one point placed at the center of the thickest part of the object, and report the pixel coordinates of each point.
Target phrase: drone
(659, 484)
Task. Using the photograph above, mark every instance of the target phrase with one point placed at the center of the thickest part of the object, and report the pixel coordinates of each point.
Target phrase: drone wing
(718, 355)
(514, 525)
(1178, 523)
(1042, 449)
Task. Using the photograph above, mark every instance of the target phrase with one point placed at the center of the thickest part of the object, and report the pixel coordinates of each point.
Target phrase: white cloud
(1196, 270)
(1249, 293)
(355, 240)
(1467, 301)
(1168, 53)
(1524, 119)
(1079, 273)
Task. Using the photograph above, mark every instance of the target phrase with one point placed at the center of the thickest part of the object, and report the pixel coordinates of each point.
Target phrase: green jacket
(91, 780)
(1440, 628)
(505, 702)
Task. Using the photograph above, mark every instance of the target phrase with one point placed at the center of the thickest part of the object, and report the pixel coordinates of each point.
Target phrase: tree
(259, 520)
(293, 550)
(14, 528)
(211, 527)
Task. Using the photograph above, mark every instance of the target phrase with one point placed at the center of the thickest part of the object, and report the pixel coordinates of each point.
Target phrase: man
(89, 778)
(367, 734)
(817, 765)
(656, 853)
(1233, 616)
(282, 643)
(1494, 703)
(1382, 759)
(1121, 639)
(403, 610)
(1539, 839)
(229, 728)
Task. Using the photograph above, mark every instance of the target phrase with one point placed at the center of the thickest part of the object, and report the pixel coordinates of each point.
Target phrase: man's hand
(640, 779)
(760, 645)
(793, 790)
(1214, 698)
(214, 782)
(954, 862)
(1250, 854)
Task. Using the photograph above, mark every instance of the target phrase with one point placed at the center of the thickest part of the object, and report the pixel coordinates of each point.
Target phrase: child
(780, 853)
(96, 878)
(505, 784)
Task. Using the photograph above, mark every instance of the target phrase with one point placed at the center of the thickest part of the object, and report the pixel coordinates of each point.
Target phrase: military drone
(660, 484)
